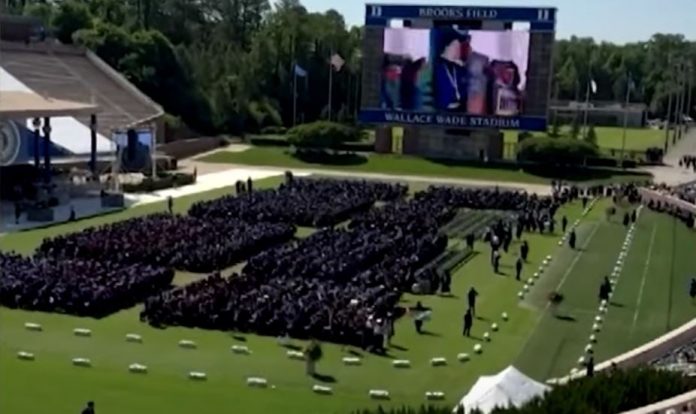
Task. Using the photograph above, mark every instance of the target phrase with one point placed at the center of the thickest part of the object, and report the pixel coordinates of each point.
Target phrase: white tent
(508, 387)
(67, 132)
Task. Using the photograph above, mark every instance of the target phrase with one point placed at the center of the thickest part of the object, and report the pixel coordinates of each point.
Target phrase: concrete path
(541, 189)
(204, 182)
(686, 146)
(671, 174)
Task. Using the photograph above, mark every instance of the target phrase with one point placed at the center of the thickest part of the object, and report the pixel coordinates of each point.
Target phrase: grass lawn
(402, 164)
(51, 384)
(650, 299)
(608, 138)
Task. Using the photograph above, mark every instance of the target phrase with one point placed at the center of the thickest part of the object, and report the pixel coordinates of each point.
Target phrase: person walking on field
(518, 267)
(572, 239)
(468, 323)
(524, 250)
(471, 296)
(170, 204)
(564, 223)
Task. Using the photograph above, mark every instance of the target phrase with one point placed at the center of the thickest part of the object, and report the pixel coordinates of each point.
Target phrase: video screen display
(455, 71)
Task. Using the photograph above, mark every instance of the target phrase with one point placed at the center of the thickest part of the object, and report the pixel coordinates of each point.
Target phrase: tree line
(227, 66)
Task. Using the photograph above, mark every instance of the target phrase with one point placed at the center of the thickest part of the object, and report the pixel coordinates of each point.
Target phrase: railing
(671, 405)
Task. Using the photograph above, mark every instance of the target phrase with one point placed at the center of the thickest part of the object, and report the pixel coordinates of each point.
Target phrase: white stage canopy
(66, 132)
(509, 387)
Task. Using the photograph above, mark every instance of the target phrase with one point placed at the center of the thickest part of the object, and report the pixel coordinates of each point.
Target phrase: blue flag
(299, 71)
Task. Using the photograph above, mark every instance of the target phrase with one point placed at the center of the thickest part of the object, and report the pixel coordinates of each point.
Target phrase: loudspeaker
(132, 144)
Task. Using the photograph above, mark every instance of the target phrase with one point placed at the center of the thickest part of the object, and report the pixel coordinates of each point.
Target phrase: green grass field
(533, 339)
(402, 164)
(608, 138)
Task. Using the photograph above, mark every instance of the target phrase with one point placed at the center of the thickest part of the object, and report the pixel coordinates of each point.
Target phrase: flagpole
(587, 109)
(678, 104)
(294, 94)
(669, 114)
(690, 80)
(625, 120)
(330, 84)
(293, 70)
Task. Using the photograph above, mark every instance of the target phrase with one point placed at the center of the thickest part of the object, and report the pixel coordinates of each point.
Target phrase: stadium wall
(646, 353)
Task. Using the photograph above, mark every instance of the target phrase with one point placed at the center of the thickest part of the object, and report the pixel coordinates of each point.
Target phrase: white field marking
(565, 276)
(642, 283)
(575, 260)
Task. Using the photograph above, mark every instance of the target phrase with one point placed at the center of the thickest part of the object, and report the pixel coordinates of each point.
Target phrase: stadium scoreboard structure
(451, 72)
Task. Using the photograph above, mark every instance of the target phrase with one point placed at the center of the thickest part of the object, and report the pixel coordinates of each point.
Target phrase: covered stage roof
(25, 105)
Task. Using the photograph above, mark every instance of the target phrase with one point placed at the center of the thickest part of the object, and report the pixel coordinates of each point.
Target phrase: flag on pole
(337, 62)
(593, 86)
(300, 71)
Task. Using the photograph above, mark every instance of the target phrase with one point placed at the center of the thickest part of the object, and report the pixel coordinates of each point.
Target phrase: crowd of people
(93, 288)
(339, 285)
(304, 202)
(688, 162)
(174, 241)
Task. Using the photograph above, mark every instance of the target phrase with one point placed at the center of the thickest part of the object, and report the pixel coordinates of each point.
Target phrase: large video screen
(457, 66)
(449, 70)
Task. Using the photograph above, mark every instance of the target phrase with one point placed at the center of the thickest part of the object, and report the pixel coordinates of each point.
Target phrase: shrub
(556, 151)
(322, 135)
(654, 154)
(70, 17)
(274, 130)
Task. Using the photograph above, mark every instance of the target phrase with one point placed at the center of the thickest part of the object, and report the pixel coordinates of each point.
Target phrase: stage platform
(84, 207)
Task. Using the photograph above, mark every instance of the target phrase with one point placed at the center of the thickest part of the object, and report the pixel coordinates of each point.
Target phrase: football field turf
(533, 337)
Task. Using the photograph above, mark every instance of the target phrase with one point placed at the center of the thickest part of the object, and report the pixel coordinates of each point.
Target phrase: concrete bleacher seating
(72, 73)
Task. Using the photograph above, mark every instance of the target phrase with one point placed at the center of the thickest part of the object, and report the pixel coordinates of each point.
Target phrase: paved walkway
(671, 173)
(541, 189)
(686, 146)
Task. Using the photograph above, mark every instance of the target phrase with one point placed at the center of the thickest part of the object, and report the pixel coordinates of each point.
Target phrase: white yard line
(642, 283)
(575, 261)
(561, 283)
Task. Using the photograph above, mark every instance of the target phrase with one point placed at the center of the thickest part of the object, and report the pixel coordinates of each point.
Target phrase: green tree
(558, 151)
(42, 11)
(322, 135)
(71, 16)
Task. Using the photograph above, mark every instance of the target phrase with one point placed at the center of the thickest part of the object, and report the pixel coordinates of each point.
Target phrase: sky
(617, 21)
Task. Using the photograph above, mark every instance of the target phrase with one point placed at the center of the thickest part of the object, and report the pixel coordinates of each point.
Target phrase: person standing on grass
(590, 367)
(470, 238)
(170, 204)
(518, 268)
(468, 323)
(250, 185)
(524, 250)
(626, 219)
(692, 290)
(564, 223)
(572, 239)
(89, 409)
(634, 216)
(471, 296)
(496, 262)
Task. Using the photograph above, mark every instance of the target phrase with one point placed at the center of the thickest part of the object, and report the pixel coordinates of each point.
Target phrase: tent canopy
(508, 387)
(24, 104)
